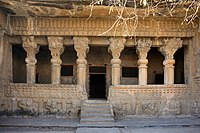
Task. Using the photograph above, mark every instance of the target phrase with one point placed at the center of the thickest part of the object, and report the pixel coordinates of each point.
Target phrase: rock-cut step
(96, 112)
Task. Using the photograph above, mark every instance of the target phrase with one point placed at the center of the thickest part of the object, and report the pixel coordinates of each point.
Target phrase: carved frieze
(27, 105)
(95, 27)
(172, 107)
(196, 109)
(151, 100)
(42, 99)
(52, 107)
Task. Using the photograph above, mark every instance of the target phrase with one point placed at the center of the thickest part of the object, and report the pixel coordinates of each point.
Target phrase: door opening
(97, 83)
(97, 86)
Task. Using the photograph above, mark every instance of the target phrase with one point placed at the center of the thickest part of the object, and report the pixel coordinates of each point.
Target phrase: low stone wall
(196, 98)
(150, 100)
(41, 100)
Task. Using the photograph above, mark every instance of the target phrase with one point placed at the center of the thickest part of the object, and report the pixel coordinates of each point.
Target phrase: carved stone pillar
(31, 49)
(168, 49)
(115, 48)
(56, 48)
(143, 46)
(82, 48)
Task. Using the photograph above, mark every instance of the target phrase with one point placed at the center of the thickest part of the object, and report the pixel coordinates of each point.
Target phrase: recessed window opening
(67, 70)
(129, 72)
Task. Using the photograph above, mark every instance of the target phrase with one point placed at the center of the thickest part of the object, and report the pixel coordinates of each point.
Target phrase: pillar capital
(170, 46)
(31, 48)
(56, 47)
(143, 46)
(116, 46)
(81, 46)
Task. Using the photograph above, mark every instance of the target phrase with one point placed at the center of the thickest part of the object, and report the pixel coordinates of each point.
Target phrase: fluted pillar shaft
(115, 48)
(31, 49)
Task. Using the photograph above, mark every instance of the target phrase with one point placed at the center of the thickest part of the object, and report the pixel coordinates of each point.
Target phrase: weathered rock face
(96, 8)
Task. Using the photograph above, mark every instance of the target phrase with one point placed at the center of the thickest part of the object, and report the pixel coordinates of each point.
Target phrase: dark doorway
(97, 85)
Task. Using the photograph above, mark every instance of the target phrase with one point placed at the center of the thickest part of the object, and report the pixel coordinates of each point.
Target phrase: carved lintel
(81, 46)
(143, 46)
(56, 47)
(116, 46)
(170, 46)
(31, 48)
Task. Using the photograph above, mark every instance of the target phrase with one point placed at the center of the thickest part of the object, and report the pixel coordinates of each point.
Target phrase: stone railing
(43, 91)
(150, 100)
(41, 100)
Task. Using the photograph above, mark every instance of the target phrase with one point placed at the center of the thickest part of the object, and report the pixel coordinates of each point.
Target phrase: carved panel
(151, 100)
(95, 27)
(41, 100)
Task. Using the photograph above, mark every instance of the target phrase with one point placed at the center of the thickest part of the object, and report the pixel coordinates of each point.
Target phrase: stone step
(97, 111)
(97, 115)
(96, 101)
(96, 120)
(95, 104)
(96, 107)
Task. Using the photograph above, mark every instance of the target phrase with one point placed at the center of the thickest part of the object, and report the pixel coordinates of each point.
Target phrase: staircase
(96, 112)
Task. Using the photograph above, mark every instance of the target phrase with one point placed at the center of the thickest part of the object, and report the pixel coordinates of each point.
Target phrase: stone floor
(125, 125)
